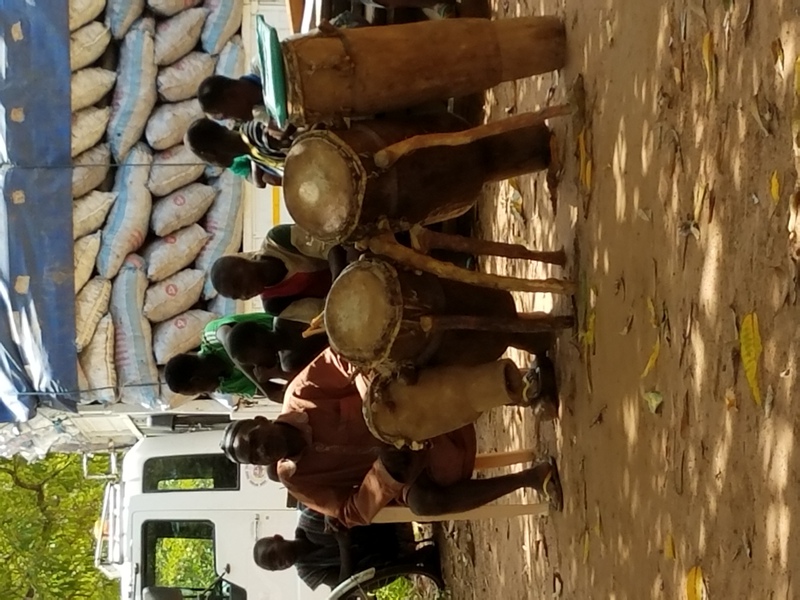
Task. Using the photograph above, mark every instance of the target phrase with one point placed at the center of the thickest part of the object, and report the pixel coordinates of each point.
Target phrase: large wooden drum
(334, 191)
(371, 70)
(373, 311)
(442, 400)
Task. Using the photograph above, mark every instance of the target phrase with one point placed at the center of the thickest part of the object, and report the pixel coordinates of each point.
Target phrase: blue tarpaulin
(37, 297)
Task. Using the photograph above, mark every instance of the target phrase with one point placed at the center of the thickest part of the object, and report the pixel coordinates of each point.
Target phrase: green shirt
(241, 166)
(237, 382)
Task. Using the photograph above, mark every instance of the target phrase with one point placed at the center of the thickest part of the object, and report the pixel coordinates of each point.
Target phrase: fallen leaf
(628, 324)
(689, 228)
(775, 187)
(758, 117)
(696, 585)
(654, 400)
(710, 62)
(754, 199)
(666, 325)
(750, 349)
(730, 399)
(651, 362)
(747, 20)
(645, 215)
(558, 585)
(582, 156)
(586, 542)
(684, 430)
(769, 401)
(589, 339)
(777, 55)
(748, 548)
(598, 524)
(786, 372)
(727, 26)
(669, 547)
(651, 310)
(610, 33)
(619, 286)
(588, 181)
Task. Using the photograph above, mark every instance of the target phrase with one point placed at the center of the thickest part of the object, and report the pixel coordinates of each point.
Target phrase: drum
(373, 311)
(334, 191)
(442, 400)
(365, 71)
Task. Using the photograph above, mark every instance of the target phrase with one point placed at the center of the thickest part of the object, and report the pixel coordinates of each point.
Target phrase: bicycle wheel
(412, 581)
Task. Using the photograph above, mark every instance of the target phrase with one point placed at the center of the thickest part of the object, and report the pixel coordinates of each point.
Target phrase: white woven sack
(126, 227)
(88, 128)
(181, 208)
(224, 20)
(135, 93)
(133, 349)
(224, 307)
(173, 169)
(178, 36)
(83, 11)
(91, 304)
(170, 254)
(170, 122)
(90, 169)
(88, 86)
(179, 334)
(87, 44)
(223, 224)
(97, 362)
(231, 60)
(89, 212)
(85, 255)
(167, 8)
(180, 80)
(174, 295)
(121, 14)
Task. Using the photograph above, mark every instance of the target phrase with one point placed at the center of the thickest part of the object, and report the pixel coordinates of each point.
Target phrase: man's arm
(223, 336)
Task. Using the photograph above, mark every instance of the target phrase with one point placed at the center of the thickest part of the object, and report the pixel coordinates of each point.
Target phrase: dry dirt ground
(676, 240)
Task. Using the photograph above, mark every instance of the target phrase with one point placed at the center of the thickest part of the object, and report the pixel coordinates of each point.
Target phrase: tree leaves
(47, 510)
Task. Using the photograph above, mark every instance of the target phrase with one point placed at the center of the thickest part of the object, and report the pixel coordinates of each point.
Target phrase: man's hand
(397, 462)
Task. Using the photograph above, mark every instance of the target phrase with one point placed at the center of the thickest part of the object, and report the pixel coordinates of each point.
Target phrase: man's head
(237, 276)
(275, 553)
(191, 374)
(214, 143)
(226, 98)
(257, 441)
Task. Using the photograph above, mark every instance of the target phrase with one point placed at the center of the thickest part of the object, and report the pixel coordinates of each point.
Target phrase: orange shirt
(339, 474)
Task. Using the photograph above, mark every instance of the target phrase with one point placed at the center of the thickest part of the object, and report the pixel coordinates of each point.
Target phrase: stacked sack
(149, 218)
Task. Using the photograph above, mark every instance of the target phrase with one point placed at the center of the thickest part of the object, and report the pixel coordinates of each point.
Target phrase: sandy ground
(712, 480)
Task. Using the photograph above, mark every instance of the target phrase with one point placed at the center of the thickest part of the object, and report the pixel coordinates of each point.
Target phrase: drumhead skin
(364, 311)
(323, 186)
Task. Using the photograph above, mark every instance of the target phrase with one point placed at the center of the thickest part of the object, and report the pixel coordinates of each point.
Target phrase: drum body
(442, 400)
(334, 191)
(371, 70)
(372, 316)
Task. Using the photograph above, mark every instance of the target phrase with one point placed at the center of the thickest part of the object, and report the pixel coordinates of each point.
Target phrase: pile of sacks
(149, 218)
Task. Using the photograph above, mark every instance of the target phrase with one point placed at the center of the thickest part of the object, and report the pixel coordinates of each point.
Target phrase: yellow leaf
(598, 526)
(777, 53)
(651, 309)
(588, 181)
(696, 585)
(586, 546)
(710, 62)
(775, 187)
(582, 155)
(797, 77)
(651, 362)
(750, 349)
(588, 336)
(669, 547)
(654, 400)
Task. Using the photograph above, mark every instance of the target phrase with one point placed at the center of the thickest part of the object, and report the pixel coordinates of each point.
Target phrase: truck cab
(180, 521)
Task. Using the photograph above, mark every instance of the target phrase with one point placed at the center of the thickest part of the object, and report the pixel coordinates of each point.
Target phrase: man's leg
(426, 498)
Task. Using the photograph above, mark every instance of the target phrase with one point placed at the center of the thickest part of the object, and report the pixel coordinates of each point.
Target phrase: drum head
(323, 186)
(363, 312)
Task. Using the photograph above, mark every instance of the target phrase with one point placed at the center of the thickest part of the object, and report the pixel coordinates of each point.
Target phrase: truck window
(190, 472)
(178, 554)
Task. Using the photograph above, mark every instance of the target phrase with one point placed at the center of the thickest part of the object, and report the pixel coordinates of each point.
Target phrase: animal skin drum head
(323, 186)
(363, 311)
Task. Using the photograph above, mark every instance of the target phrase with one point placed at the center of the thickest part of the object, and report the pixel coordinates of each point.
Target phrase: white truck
(181, 519)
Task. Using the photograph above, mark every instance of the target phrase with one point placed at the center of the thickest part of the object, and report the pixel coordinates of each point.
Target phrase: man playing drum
(243, 355)
(250, 151)
(329, 460)
(290, 266)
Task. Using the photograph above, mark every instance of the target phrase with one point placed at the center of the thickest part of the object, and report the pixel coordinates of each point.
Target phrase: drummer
(243, 355)
(249, 151)
(329, 460)
(290, 266)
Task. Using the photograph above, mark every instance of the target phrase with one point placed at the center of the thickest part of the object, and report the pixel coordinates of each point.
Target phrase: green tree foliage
(47, 514)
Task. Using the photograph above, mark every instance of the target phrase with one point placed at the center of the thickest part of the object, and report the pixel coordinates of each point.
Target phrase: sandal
(551, 487)
(540, 390)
